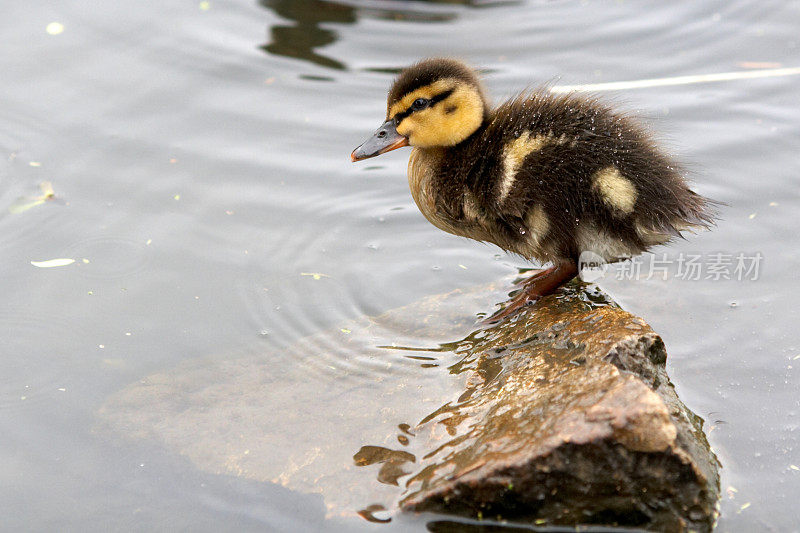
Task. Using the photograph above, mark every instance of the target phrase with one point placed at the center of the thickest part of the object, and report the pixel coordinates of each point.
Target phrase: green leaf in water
(24, 203)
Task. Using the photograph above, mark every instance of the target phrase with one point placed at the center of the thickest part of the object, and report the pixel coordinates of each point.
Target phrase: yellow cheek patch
(412, 122)
(616, 190)
(436, 126)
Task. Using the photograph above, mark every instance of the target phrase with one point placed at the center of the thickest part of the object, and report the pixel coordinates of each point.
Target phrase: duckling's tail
(695, 213)
(700, 211)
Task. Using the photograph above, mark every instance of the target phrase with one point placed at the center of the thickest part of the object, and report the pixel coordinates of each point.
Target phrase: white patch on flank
(537, 223)
(514, 154)
(616, 190)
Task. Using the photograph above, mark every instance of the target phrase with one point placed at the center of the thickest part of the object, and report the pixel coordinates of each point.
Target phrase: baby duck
(543, 176)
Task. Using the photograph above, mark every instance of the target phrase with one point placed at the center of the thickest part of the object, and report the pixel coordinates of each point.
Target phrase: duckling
(547, 177)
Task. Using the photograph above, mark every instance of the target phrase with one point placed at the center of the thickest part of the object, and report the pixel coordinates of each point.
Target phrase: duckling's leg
(540, 284)
(522, 281)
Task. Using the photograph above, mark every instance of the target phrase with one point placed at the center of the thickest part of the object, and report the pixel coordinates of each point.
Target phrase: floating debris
(54, 28)
(50, 263)
(315, 275)
(24, 203)
(47, 190)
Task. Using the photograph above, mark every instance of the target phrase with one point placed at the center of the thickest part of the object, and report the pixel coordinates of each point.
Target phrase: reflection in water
(369, 514)
(392, 462)
(300, 38)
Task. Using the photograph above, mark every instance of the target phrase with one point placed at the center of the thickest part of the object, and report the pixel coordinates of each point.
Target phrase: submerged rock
(569, 419)
(562, 415)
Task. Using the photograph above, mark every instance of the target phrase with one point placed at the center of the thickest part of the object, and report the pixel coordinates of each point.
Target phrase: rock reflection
(392, 462)
(369, 514)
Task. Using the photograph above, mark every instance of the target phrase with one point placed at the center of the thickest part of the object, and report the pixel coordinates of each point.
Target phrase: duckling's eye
(420, 103)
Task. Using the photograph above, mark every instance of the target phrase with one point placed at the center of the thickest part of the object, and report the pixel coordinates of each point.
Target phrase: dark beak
(385, 139)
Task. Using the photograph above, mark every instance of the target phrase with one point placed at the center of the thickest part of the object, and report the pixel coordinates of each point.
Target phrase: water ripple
(109, 257)
(33, 372)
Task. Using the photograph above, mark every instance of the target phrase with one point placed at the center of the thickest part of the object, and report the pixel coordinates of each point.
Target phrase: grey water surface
(199, 159)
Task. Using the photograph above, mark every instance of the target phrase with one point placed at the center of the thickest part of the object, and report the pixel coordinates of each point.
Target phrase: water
(199, 155)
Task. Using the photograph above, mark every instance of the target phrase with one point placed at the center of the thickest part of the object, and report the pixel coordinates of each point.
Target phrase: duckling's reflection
(300, 39)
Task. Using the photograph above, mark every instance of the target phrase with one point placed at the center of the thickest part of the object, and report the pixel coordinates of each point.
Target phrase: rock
(570, 419)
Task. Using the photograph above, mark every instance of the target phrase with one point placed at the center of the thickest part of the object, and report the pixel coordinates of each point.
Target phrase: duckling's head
(436, 102)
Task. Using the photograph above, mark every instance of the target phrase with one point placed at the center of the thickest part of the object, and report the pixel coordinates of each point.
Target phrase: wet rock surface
(562, 415)
(569, 418)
